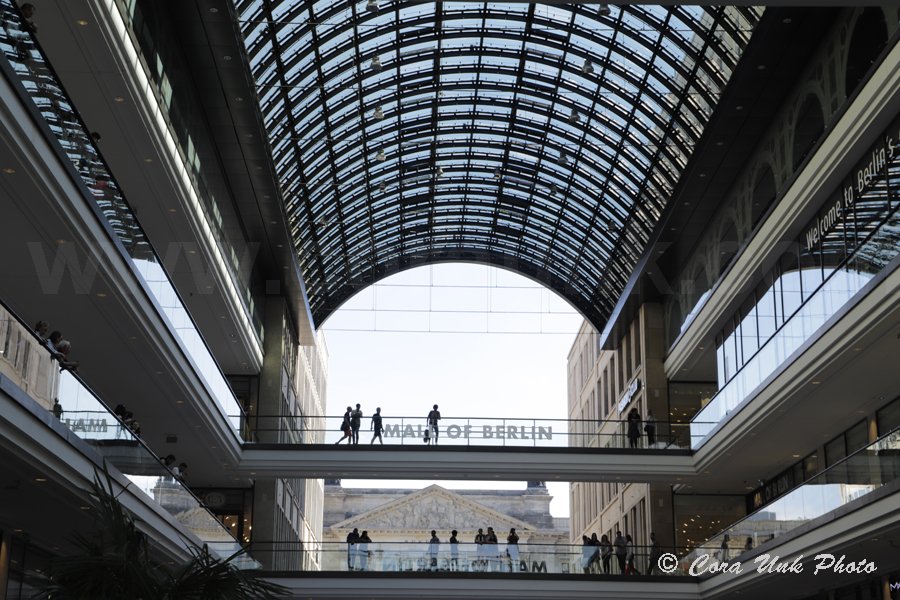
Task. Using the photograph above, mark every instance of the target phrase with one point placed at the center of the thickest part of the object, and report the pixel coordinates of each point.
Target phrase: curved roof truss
(545, 139)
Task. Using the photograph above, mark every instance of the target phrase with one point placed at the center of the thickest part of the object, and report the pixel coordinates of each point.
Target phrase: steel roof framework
(545, 139)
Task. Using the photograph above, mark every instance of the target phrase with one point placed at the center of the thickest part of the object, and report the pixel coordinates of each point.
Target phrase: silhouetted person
(355, 423)
(586, 552)
(57, 409)
(434, 545)
(620, 550)
(454, 551)
(352, 540)
(606, 551)
(376, 426)
(634, 427)
(629, 556)
(363, 550)
(512, 550)
(433, 418)
(492, 551)
(345, 428)
(27, 10)
(748, 545)
(42, 329)
(655, 554)
(650, 428)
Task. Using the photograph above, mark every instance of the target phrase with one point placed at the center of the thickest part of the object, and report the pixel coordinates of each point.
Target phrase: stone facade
(399, 516)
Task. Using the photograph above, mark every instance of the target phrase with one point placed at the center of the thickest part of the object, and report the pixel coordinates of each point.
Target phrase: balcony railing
(848, 480)
(38, 80)
(88, 417)
(475, 431)
(837, 290)
(466, 557)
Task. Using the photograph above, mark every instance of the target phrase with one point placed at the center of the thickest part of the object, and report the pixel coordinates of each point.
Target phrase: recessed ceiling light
(148, 160)
(738, 107)
(761, 67)
(85, 507)
(8, 170)
(816, 382)
(119, 99)
(81, 22)
(213, 9)
(101, 295)
(40, 479)
(238, 99)
(795, 455)
(227, 57)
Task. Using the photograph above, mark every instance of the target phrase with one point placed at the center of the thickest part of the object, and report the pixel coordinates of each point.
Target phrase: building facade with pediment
(400, 521)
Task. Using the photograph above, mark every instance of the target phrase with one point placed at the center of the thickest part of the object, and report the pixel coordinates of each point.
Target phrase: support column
(5, 543)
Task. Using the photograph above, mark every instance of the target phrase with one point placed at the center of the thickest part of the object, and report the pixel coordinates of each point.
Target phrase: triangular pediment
(432, 508)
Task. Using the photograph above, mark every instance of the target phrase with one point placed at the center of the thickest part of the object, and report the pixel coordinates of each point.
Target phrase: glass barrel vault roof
(545, 139)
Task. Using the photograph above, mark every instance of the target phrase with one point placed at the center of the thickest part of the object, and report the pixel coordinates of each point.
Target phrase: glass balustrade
(465, 557)
(861, 473)
(26, 60)
(26, 358)
(838, 289)
(474, 431)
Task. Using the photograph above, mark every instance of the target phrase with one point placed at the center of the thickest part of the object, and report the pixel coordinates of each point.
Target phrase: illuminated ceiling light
(380, 157)
(82, 22)
(604, 10)
(375, 65)
(378, 114)
(587, 68)
(575, 117)
(9, 170)
(372, 6)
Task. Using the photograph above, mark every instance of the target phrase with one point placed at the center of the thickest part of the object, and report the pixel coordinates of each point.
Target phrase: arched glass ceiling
(542, 138)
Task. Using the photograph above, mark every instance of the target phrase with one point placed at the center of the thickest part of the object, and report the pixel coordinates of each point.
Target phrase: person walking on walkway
(376, 426)
(345, 428)
(355, 423)
(433, 417)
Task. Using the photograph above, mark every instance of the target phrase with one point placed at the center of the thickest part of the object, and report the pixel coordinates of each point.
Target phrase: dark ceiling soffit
(223, 28)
